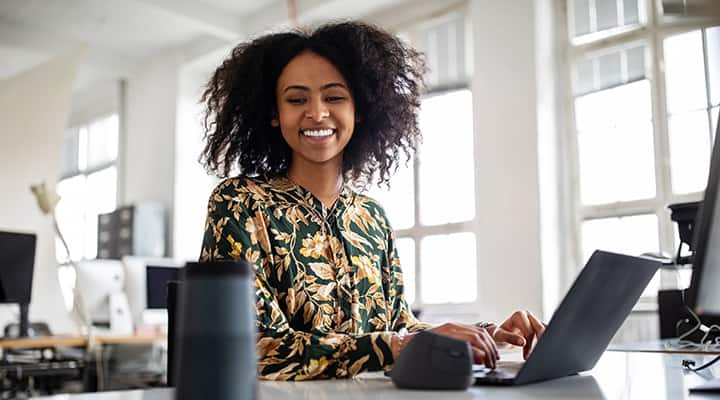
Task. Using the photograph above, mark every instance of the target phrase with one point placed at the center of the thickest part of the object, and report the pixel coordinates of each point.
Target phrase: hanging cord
(681, 342)
(690, 363)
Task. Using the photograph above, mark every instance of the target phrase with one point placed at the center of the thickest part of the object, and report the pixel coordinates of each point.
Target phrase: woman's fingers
(479, 357)
(537, 326)
(490, 343)
(516, 338)
(483, 347)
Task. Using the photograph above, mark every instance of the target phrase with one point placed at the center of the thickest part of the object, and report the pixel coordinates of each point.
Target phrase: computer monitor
(146, 280)
(101, 284)
(17, 261)
(157, 278)
(703, 294)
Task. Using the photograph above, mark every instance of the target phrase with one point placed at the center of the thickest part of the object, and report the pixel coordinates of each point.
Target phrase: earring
(275, 123)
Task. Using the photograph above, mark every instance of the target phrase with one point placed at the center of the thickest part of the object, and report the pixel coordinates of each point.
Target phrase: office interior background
(551, 128)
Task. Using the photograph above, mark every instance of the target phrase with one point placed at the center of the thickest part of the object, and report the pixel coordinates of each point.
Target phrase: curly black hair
(385, 77)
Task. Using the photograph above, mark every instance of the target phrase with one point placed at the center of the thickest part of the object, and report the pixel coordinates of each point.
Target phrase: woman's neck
(324, 181)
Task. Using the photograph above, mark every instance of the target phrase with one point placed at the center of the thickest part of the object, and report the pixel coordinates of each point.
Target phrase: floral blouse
(328, 281)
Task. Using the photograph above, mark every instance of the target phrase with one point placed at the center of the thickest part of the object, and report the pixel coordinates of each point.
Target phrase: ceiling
(120, 34)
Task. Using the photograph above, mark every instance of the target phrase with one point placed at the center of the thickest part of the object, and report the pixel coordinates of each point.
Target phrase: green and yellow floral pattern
(328, 282)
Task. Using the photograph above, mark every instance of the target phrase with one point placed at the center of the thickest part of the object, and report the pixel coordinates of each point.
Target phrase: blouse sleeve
(233, 232)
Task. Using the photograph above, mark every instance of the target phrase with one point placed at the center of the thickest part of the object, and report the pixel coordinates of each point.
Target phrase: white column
(149, 143)
(506, 132)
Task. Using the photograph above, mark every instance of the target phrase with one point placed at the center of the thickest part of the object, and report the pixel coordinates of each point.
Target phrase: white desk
(616, 376)
(660, 346)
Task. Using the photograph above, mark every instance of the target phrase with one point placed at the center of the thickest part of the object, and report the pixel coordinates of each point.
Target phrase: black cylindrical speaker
(216, 332)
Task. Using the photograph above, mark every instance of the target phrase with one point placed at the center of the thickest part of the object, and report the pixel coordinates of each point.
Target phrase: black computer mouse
(432, 361)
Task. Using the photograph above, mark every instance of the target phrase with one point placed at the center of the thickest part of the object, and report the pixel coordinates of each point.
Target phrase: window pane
(406, 252)
(714, 119)
(444, 46)
(606, 12)
(630, 9)
(615, 144)
(635, 63)
(102, 141)
(713, 49)
(447, 190)
(585, 76)
(600, 15)
(610, 70)
(596, 72)
(102, 191)
(70, 213)
(581, 20)
(633, 235)
(689, 151)
(685, 72)
(399, 201)
(449, 268)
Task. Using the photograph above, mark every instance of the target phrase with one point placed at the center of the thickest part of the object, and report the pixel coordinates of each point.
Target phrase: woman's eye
(335, 99)
(296, 100)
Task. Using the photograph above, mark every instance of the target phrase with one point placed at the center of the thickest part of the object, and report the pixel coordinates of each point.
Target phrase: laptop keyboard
(504, 370)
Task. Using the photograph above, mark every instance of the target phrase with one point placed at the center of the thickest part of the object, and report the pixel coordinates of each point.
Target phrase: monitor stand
(24, 321)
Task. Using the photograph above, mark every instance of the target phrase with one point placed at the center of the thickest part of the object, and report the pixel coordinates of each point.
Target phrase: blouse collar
(286, 185)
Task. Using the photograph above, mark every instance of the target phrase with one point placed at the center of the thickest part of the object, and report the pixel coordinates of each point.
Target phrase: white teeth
(317, 132)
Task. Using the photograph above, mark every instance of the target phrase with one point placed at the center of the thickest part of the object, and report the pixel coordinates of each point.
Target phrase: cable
(689, 363)
(707, 333)
(695, 328)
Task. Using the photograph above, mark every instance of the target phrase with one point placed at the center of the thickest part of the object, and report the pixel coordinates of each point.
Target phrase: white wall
(94, 102)
(192, 183)
(506, 133)
(34, 109)
(148, 142)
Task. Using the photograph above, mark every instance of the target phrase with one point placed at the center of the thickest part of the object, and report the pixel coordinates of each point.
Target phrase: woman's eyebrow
(332, 85)
(296, 87)
(323, 87)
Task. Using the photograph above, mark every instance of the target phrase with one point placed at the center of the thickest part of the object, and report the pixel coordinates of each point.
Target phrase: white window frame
(419, 231)
(87, 171)
(653, 32)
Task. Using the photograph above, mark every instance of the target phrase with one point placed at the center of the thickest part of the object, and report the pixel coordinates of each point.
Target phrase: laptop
(580, 330)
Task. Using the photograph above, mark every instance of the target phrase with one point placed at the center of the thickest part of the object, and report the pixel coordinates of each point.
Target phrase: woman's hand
(484, 350)
(520, 329)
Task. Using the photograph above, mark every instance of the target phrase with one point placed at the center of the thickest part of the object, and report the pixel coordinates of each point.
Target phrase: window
(433, 237)
(645, 87)
(88, 185)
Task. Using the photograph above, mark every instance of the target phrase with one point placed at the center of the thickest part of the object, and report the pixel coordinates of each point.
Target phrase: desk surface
(661, 346)
(72, 341)
(616, 376)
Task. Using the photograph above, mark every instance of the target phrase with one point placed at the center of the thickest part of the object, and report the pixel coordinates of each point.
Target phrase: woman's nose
(317, 111)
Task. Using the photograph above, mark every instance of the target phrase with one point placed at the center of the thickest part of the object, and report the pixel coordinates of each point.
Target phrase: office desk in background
(65, 365)
(73, 341)
(617, 375)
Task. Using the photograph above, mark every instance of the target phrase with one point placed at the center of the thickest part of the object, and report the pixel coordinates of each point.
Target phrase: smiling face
(316, 112)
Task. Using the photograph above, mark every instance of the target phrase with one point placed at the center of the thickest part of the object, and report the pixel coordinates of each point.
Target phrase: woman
(308, 119)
